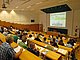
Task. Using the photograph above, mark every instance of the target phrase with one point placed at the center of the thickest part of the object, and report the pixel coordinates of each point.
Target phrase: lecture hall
(39, 30)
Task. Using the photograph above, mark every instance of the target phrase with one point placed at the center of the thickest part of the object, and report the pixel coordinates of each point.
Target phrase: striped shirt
(6, 52)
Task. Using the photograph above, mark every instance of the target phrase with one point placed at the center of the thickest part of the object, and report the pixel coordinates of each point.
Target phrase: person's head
(9, 38)
(38, 36)
(32, 32)
(52, 36)
(61, 38)
(61, 41)
(25, 34)
(51, 42)
(30, 36)
(44, 38)
(53, 39)
(56, 37)
(32, 45)
(49, 36)
(23, 39)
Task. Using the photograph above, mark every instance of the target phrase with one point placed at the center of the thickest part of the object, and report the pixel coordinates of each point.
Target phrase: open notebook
(62, 51)
(17, 49)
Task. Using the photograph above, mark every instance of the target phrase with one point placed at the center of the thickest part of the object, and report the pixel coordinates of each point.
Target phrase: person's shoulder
(6, 45)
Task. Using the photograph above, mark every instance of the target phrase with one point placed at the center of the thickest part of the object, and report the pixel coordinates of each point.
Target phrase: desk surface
(44, 45)
(26, 55)
(2, 37)
(66, 48)
(50, 54)
(53, 55)
(14, 45)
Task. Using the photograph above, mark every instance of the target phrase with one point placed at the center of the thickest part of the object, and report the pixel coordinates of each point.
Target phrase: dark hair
(32, 32)
(61, 40)
(52, 36)
(30, 35)
(44, 38)
(53, 39)
(56, 37)
(25, 34)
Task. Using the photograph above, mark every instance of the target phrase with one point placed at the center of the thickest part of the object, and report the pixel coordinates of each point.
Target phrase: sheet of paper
(62, 51)
(17, 49)
(45, 52)
(55, 48)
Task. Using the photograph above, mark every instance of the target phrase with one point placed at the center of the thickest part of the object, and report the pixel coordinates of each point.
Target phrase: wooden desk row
(50, 54)
(65, 42)
(44, 45)
(25, 55)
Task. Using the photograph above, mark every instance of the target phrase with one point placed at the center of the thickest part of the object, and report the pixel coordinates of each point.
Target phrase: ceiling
(39, 4)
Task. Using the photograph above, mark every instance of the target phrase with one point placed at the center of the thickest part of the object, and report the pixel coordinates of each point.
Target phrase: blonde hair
(9, 38)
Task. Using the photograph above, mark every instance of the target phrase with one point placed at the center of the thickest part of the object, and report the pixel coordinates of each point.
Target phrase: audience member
(33, 49)
(31, 37)
(56, 39)
(15, 37)
(61, 42)
(6, 51)
(53, 43)
(38, 39)
(5, 32)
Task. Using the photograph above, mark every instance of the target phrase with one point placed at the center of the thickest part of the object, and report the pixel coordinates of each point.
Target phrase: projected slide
(58, 19)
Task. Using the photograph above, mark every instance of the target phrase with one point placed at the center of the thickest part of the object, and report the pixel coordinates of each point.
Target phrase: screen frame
(59, 26)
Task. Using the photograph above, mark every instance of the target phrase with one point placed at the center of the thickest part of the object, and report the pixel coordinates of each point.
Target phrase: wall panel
(33, 27)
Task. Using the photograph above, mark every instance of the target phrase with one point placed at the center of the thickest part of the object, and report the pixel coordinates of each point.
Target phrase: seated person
(6, 51)
(24, 42)
(61, 42)
(31, 37)
(53, 43)
(1, 29)
(23, 37)
(63, 38)
(33, 49)
(41, 36)
(71, 42)
(69, 45)
(56, 39)
(44, 40)
(36, 35)
(50, 37)
(38, 39)
(15, 37)
(5, 32)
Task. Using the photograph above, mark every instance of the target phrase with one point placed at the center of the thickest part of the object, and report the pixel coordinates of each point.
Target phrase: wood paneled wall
(33, 27)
